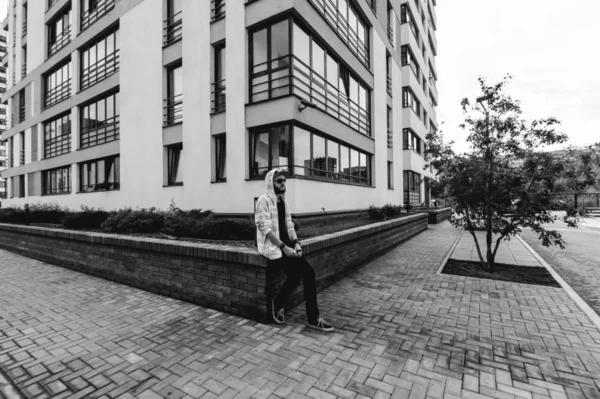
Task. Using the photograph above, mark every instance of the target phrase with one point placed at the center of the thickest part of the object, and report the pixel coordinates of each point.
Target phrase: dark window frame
(173, 103)
(58, 40)
(48, 177)
(100, 131)
(174, 164)
(93, 10)
(220, 141)
(218, 85)
(87, 168)
(57, 145)
(62, 90)
(101, 68)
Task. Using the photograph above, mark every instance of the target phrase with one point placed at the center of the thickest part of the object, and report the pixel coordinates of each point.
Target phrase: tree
(505, 182)
(582, 169)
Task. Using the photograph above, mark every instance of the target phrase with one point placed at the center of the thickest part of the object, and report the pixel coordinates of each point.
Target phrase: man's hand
(298, 249)
(289, 252)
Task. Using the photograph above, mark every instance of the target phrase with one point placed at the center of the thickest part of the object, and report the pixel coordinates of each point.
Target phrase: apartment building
(3, 121)
(147, 102)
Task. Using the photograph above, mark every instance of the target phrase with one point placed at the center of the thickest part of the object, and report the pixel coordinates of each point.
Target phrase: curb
(590, 313)
(7, 389)
(441, 267)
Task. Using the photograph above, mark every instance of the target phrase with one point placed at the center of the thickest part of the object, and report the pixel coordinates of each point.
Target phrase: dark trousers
(296, 269)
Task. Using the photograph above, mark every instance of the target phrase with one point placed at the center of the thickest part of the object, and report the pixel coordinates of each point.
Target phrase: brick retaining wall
(226, 278)
(437, 215)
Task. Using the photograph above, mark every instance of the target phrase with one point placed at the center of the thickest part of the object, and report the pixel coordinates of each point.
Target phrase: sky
(549, 46)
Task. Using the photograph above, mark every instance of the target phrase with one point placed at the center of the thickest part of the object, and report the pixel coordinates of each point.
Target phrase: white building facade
(147, 102)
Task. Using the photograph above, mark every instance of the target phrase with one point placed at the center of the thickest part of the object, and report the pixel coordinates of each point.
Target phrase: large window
(173, 104)
(21, 105)
(100, 174)
(174, 172)
(100, 121)
(220, 158)
(100, 59)
(408, 58)
(411, 141)
(172, 26)
(412, 187)
(219, 83)
(349, 25)
(93, 10)
(409, 100)
(406, 17)
(57, 85)
(57, 136)
(56, 181)
(59, 31)
(311, 72)
(311, 156)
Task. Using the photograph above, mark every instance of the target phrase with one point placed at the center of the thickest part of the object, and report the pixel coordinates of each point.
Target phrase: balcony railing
(57, 145)
(58, 94)
(172, 29)
(390, 139)
(218, 93)
(100, 132)
(292, 76)
(22, 157)
(51, 3)
(22, 114)
(24, 30)
(90, 16)
(173, 110)
(390, 33)
(389, 85)
(217, 10)
(23, 70)
(60, 41)
(339, 23)
(101, 70)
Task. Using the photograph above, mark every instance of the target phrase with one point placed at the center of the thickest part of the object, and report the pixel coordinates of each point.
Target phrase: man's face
(279, 183)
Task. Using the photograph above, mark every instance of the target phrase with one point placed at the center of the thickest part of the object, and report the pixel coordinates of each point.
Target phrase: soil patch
(501, 272)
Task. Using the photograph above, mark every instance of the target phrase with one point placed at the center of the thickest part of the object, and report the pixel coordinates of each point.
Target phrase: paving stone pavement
(402, 331)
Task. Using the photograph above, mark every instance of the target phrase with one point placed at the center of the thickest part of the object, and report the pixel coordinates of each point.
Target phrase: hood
(269, 181)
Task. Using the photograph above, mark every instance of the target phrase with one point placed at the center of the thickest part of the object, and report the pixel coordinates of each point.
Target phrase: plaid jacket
(266, 220)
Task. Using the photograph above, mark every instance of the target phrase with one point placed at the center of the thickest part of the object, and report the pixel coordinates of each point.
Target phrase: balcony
(390, 139)
(60, 41)
(59, 93)
(21, 114)
(340, 25)
(172, 29)
(90, 16)
(217, 10)
(218, 96)
(292, 76)
(24, 31)
(22, 157)
(23, 70)
(57, 145)
(390, 33)
(173, 110)
(101, 70)
(100, 132)
(388, 85)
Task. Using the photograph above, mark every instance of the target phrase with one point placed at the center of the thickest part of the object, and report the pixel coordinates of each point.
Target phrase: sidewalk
(402, 331)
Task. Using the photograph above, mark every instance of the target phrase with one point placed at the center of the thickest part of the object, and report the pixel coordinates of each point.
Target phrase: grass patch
(502, 272)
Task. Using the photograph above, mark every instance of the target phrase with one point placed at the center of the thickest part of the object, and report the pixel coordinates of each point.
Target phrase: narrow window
(219, 83)
(174, 173)
(173, 108)
(220, 158)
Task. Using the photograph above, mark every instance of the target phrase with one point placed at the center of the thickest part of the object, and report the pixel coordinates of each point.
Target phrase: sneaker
(278, 316)
(321, 324)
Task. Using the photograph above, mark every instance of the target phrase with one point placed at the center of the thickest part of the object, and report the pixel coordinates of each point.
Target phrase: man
(277, 241)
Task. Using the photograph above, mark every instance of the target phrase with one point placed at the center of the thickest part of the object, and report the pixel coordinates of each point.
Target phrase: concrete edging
(450, 252)
(593, 316)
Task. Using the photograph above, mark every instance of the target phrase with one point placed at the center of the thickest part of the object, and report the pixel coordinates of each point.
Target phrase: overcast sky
(549, 46)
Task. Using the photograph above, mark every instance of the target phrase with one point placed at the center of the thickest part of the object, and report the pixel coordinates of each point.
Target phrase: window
(388, 74)
(21, 105)
(390, 175)
(57, 85)
(93, 10)
(57, 136)
(406, 16)
(24, 29)
(412, 187)
(311, 73)
(390, 135)
(22, 151)
(174, 173)
(173, 108)
(100, 60)
(21, 193)
(409, 100)
(220, 158)
(217, 9)
(411, 140)
(56, 181)
(100, 121)
(408, 58)
(24, 61)
(100, 174)
(391, 24)
(59, 31)
(173, 24)
(312, 156)
(219, 83)
(349, 25)
(51, 3)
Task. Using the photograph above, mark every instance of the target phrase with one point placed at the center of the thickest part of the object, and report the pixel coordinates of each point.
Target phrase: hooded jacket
(266, 219)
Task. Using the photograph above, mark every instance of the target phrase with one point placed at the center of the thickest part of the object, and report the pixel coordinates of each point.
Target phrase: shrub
(384, 212)
(87, 218)
(185, 223)
(127, 220)
(228, 229)
(12, 215)
(46, 213)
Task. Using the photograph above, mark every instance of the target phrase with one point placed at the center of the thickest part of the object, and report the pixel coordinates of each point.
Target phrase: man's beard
(279, 190)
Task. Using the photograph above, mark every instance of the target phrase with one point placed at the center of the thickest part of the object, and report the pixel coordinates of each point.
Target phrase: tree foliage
(505, 182)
